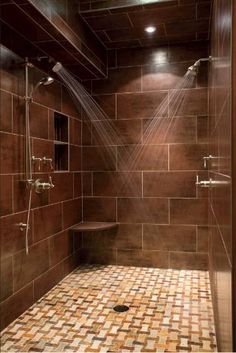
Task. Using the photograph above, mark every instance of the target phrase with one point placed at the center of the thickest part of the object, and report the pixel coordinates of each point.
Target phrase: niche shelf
(61, 142)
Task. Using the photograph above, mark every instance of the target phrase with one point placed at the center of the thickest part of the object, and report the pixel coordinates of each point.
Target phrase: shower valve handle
(41, 186)
(37, 159)
(48, 160)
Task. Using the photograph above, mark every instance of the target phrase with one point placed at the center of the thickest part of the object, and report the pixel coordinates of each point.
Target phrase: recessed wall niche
(61, 142)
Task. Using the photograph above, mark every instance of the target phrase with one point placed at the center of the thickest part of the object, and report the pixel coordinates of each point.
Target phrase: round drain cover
(121, 308)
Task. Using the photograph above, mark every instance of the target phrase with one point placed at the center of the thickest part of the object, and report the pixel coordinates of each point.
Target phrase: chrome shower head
(194, 68)
(46, 81)
(57, 67)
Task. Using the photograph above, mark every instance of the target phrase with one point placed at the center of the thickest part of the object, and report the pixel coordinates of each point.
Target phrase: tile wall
(53, 252)
(163, 216)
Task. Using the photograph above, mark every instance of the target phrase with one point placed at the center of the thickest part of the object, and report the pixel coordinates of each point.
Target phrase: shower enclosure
(126, 159)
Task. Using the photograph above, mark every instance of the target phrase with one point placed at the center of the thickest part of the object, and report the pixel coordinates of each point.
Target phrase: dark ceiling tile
(134, 33)
(186, 27)
(163, 15)
(123, 44)
(109, 22)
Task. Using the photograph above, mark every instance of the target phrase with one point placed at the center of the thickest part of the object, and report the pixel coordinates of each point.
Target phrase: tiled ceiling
(121, 23)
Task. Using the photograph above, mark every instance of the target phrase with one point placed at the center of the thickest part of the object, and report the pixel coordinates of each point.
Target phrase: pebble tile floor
(169, 311)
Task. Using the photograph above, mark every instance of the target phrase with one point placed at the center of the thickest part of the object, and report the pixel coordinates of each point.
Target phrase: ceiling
(121, 23)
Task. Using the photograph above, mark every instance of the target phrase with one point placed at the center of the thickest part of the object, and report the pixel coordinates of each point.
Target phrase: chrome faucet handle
(51, 183)
(48, 160)
(37, 159)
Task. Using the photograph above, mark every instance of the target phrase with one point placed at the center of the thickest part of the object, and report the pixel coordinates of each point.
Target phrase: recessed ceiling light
(150, 29)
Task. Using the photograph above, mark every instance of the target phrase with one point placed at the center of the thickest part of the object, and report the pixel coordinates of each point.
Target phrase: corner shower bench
(93, 226)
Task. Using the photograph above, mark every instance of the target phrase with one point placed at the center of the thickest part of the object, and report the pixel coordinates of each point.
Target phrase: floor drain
(121, 308)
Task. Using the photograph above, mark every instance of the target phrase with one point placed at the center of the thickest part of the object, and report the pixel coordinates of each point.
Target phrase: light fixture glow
(150, 29)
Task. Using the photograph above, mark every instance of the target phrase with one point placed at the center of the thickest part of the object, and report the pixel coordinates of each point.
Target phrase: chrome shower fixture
(45, 81)
(195, 67)
(57, 67)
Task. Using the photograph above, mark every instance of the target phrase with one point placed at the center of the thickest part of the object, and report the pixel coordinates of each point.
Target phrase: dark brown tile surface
(143, 158)
(99, 209)
(127, 80)
(142, 105)
(27, 267)
(12, 239)
(12, 153)
(48, 280)
(148, 258)
(6, 278)
(169, 184)
(71, 212)
(63, 187)
(117, 184)
(6, 195)
(142, 210)
(188, 261)
(61, 246)
(187, 156)
(47, 221)
(5, 111)
(189, 211)
(169, 237)
(18, 303)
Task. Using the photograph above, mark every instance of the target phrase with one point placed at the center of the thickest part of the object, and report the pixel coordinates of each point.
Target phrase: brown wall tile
(47, 221)
(169, 237)
(99, 209)
(126, 80)
(48, 280)
(169, 184)
(18, 303)
(187, 156)
(169, 130)
(61, 246)
(27, 267)
(143, 158)
(12, 153)
(97, 158)
(6, 195)
(189, 261)
(72, 212)
(6, 111)
(117, 184)
(75, 158)
(12, 238)
(146, 210)
(189, 211)
(6, 278)
(63, 187)
(142, 105)
(147, 258)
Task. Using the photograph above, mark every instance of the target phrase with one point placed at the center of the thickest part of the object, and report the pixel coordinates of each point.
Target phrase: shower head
(195, 67)
(46, 81)
(57, 67)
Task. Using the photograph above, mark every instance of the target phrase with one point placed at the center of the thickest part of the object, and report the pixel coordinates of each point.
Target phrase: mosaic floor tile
(169, 311)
